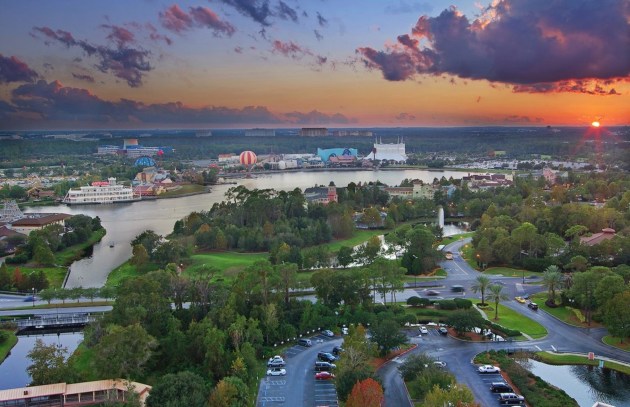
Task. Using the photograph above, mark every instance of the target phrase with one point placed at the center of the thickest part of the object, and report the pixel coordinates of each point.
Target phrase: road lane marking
(538, 347)
(554, 348)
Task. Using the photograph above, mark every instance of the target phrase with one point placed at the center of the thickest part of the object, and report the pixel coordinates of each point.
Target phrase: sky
(75, 64)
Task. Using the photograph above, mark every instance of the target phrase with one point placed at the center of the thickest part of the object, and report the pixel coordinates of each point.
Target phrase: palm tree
(496, 295)
(481, 284)
(552, 279)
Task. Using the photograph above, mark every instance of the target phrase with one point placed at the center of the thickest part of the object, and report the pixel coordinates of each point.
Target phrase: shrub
(463, 303)
(446, 304)
(578, 314)
(414, 301)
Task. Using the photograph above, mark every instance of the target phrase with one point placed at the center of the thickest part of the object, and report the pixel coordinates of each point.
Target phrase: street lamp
(33, 297)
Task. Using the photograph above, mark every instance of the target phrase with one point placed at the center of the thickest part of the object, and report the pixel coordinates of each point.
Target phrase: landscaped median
(513, 320)
(573, 359)
(8, 339)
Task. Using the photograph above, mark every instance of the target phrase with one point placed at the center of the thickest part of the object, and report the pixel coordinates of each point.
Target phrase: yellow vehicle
(520, 299)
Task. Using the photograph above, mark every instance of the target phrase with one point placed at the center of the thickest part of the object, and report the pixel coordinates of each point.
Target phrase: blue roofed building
(325, 154)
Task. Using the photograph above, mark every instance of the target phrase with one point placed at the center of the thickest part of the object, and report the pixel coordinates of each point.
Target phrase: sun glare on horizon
(595, 124)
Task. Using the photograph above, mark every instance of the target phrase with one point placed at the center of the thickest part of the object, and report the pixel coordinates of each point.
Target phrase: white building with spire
(388, 152)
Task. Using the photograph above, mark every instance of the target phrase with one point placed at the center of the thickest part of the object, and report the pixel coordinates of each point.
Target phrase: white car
(439, 363)
(328, 333)
(276, 361)
(424, 330)
(489, 369)
(276, 371)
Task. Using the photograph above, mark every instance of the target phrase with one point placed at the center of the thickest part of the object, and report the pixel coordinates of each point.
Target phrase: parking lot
(299, 386)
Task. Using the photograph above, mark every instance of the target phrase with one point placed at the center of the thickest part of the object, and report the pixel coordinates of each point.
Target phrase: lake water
(13, 370)
(586, 384)
(125, 221)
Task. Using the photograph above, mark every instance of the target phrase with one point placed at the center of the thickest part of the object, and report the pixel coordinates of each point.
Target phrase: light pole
(33, 297)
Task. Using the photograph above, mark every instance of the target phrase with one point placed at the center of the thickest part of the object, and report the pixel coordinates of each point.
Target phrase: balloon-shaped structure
(248, 159)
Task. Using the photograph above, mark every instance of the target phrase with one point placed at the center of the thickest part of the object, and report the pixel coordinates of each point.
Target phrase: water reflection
(586, 384)
(13, 370)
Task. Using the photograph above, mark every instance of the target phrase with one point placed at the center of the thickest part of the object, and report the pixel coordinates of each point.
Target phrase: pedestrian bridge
(62, 320)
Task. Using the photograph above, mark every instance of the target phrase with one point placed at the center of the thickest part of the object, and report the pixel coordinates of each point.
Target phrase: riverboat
(101, 192)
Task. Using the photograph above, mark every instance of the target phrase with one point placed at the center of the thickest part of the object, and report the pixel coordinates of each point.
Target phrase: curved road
(459, 354)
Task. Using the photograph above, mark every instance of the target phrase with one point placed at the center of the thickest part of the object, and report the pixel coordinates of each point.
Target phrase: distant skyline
(288, 63)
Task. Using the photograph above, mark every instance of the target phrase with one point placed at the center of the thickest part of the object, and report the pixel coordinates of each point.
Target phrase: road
(459, 354)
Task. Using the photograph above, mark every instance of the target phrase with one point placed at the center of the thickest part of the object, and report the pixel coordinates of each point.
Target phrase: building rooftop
(40, 219)
(597, 238)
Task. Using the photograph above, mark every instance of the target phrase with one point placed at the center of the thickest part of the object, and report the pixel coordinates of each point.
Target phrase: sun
(595, 124)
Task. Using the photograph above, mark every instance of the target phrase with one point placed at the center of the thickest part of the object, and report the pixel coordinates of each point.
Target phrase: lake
(124, 222)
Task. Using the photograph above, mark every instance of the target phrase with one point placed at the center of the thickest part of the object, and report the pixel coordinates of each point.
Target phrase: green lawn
(360, 236)
(510, 272)
(7, 345)
(616, 342)
(564, 314)
(229, 263)
(81, 361)
(511, 319)
(556, 359)
(183, 190)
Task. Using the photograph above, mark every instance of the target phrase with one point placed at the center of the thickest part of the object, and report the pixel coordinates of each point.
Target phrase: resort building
(388, 152)
(37, 221)
(322, 195)
(326, 154)
(597, 238)
(313, 132)
(75, 394)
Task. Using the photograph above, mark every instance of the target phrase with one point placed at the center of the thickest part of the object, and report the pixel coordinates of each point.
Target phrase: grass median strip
(568, 359)
(511, 319)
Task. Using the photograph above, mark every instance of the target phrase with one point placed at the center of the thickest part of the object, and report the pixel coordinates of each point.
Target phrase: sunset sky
(287, 63)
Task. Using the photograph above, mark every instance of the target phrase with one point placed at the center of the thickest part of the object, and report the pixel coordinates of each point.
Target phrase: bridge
(64, 320)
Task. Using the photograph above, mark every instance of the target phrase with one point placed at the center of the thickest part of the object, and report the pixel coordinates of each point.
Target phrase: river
(124, 222)
(13, 370)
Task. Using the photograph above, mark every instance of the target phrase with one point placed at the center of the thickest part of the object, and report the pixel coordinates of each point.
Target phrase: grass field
(616, 342)
(564, 314)
(558, 359)
(229, 263)
(511, 319)
(510, 272)
(183, 190)
(454, 238)
(7, 345)
(360, 236)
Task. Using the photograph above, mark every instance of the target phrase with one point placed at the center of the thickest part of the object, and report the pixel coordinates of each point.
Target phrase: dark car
(324, 366)
(511, 399)
(533, 306)
(443, 330)
(337, 350)
(432, 292)
(500, 387)
(326, 357)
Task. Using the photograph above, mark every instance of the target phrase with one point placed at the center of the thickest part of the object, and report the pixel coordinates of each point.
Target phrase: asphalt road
(459, 354)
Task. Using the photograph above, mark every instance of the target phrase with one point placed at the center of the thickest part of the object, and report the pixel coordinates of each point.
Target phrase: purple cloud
(321, 20)
(534, 45)
(290, 49)
(13, 69)
(120, 35)
(55, 103)
(177, 20)
(404, 116)
(257, 10)
(83, 77)
(124, 62)
(284, 11)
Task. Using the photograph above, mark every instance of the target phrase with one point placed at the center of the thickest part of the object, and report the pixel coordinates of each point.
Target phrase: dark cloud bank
(536, 45)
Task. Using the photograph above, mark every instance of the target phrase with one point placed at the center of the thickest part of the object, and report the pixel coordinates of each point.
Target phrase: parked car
(457, 288)
(439, 363)
(276, 361)
(443, 330)
(326, 357)
(337, 350)
(511, 398)
(276, 371)
(305, 342)
(324, 376)
(533, 306)
(489, 369)
(500, 387)
(328, 333)
(424, 330)
(324, 366)
(520, 299)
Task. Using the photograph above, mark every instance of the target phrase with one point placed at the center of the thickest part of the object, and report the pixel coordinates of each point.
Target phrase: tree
(583, 290)
(180, 389)
(229, 392)
(414, 365)
(140, 257)
(480, 285)
(386, 334)
(48, 364)
(123, 352)
(43, 255)
(577, 263)
(552, 279)
(371, 217)
(344, 256)
(149, 239)
(366, 393)
(464, 321)
(496, 295)
(616, 315)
